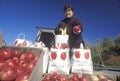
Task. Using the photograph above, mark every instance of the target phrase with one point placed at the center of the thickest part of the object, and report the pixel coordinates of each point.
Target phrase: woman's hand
(76, 29)
(61, 30)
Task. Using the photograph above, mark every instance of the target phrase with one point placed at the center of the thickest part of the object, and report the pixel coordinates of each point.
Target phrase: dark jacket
(74, 40)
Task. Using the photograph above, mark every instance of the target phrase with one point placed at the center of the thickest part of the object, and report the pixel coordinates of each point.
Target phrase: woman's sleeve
(60, 25)
(56, 30)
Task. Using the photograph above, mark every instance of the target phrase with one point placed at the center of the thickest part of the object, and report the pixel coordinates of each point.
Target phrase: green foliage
(106, 49)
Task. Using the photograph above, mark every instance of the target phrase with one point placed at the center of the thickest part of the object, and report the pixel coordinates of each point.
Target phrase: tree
(117, 44)
(117, 40)
(107, 42)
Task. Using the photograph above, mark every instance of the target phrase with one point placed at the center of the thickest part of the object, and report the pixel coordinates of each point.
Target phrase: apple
(16, 59)
(6, 53)
(46, 77)
(22, 63)
(75, 77)
(61, 78)
(73, 48)
(2, 64)
(54, 77)
(23, 56)
(70, 79)
(30, 56)
(103, 80)
(1, 54)
(29, 67)
(101, 76)
(23, 77)
(8, 73)
(83, 78)
(54, 47)
(35, 60)
(20, 69)
(110, 79)
(63, 46)
(16, 53)
(11, 62)
(63, 55)
(93, 78)
(76, 28)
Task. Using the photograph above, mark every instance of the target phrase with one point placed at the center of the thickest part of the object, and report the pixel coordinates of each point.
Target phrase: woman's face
(68, 13)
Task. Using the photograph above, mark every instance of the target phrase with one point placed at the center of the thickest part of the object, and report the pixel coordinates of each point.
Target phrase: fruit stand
(99, 74)
(52, 63)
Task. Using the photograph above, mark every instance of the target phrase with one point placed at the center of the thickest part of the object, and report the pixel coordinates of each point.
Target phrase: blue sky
(100, 18)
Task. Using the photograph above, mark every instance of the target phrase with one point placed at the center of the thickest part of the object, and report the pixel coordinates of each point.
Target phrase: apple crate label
(82, 59)
(59, 61)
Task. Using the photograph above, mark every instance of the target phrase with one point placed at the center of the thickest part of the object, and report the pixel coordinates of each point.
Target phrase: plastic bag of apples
(59, 61)
(81, 61)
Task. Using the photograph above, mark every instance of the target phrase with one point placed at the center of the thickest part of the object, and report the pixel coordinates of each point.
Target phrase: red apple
(83, 78)
(23, 77)
(110, 79)
(22, 63)
(11, 62)
(70, 79)
(54, 77)
(54, 47)
(29, 67)
(35, 60)
(63, 46)
(16, 53)
(76, 28)
(1, 54)
(20, 69)
(2, 64)
(103, 80)
(23, 56)
(30, 56)
(61, 78)
(16, 59)
(8, 73)
(6, 53)
(46, 77)
(75, 77)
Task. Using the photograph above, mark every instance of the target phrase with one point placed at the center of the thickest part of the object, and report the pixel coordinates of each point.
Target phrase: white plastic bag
(59, 61)
(59, 39)
(21, 41)
(81, 61)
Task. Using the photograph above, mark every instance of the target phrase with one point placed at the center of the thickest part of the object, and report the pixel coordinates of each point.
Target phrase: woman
(73, 27)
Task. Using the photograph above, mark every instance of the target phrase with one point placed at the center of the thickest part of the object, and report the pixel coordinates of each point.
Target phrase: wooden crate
(36, 51)
(36, 73)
